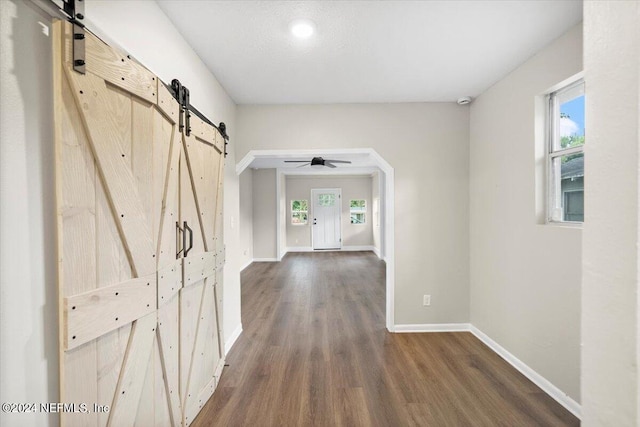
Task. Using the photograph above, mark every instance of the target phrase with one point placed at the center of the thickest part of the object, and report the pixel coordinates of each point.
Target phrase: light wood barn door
(201, 352)
(120, 159)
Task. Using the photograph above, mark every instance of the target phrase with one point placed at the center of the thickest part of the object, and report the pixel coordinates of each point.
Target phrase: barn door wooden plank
(219, 242)
(162, 405)
(169, 345)
(205, 355)
(99, 116)
(76, 230)
(94, 313)
(169, 273)
(134, 370)
(113, 268)
(219, 183)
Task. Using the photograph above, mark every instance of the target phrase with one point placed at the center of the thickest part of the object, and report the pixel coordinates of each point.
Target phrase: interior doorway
(326, 232)
(270, 158)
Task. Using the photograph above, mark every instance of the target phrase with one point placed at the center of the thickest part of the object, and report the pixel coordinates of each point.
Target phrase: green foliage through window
(326, 199)
(357, 210)
(570, 141)
(299, 212)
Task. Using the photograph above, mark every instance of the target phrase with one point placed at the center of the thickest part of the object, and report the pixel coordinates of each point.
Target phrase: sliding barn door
(139, 332)
(201, 351)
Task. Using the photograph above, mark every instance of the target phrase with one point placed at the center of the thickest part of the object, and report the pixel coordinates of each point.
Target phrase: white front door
(326, 218)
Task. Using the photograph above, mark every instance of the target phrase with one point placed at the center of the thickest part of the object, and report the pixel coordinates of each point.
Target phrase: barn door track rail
(73, 11)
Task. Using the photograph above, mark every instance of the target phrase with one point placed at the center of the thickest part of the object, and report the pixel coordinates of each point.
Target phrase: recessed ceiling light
(302, 28)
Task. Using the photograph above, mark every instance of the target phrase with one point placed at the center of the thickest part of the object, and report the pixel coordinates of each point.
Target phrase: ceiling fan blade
(306, 164)
(296, 161)
(329, 165)
(337, 161)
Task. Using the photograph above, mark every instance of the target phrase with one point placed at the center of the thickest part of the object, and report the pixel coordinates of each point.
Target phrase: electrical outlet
(426, 300)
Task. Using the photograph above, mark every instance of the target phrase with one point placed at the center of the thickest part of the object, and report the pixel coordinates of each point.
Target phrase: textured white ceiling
(367, 51)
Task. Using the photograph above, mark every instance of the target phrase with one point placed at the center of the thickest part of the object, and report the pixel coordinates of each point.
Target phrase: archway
(373, 160)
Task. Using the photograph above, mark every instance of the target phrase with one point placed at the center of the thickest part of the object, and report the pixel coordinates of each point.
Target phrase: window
(326, 199)
(357, 209)
(566, 154)
(299, 212)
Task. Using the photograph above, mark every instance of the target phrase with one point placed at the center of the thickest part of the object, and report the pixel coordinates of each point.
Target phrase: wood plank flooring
(315, 352)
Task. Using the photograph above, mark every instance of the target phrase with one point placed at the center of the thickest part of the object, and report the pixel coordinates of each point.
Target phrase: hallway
(315, 351)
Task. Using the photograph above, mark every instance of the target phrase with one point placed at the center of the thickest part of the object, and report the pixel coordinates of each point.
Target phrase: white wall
(245, 222)
(353, 187)
(611, 258)
(28, 296)
(428, 146)
(264, 215)
(282, 221)
(376, 212)
(28, 277)
(525, 276)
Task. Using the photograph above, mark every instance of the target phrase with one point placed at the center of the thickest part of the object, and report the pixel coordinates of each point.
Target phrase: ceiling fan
(317, 161)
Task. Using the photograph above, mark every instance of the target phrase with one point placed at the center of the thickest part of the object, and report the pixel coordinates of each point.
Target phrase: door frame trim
(311, 199)
(389, 205)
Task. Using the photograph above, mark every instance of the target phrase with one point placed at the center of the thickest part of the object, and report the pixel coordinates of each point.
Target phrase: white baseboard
(377, 252)
(434, 327)
(246, 265)
(299, 249)
(546, 386)
(359, 248)
(265, 259)
(344, 248)
(232, 339)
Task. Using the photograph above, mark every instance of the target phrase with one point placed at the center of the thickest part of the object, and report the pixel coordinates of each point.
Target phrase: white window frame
(553, 135)
(362, 210)
(298, 211)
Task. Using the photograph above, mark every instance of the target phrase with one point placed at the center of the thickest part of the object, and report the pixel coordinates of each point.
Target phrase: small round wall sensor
(464, 100)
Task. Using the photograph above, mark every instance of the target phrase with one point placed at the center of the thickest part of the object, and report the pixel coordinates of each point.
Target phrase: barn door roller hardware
(72, 11)
(181, 94)
(75, 10)
(223, 131)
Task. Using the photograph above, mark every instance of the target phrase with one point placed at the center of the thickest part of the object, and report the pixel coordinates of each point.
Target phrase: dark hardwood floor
(315, 351)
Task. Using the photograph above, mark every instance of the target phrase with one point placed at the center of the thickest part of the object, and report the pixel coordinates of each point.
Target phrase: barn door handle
(178, 231)
(184, 239)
